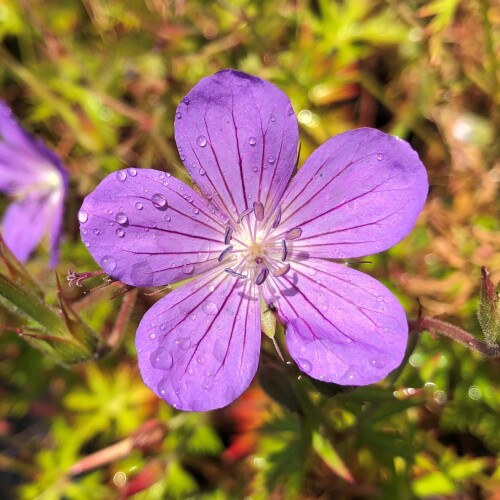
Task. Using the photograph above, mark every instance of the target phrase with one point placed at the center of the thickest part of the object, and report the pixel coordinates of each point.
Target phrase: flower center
(256, 246)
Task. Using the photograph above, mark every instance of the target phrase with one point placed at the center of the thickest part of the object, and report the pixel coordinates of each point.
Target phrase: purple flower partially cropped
(37, 182)
(256, 234)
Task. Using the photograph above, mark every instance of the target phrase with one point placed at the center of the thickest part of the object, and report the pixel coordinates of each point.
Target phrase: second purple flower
(256, 234)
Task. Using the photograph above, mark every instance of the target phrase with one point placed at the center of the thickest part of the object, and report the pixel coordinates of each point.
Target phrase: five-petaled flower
(36, 180)
(256, 234)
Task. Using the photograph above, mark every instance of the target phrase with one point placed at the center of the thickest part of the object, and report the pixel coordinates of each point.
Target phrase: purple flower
(256, 234)
(37, 182)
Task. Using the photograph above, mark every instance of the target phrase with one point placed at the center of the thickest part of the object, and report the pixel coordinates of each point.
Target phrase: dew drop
(108, 263)
(201, 141)
(290, 111)
(196, 211)
(255, 169)
(211, 288)
(183, 343)
(161, 177)
(162, 359)
(120, 232)
(187, 267)
(84, 231)
(152, 336)
(87, 244)
(178, 115)
(220, 348)
(201, 171)
(97, 232)
(200, 359)
(192, 317)
(273, 118)
(132, 172)
(83, 216)
(252, 141)
(207, 383)
(121, 175)
(185, 100)
(138, 205)
(121, 218)
(183, 157)
(271, 160)
(210, 308)
(159, 201)
(168, 218)
(378, 362)
(304, 365)
(380, 157)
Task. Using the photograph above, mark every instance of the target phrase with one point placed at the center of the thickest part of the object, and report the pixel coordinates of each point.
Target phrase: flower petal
(359, 193)
(147, 228)
(237, 136)
(342, 326)
(24, 225)
(199, 346)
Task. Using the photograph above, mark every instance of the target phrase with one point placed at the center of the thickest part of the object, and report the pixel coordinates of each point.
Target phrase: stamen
(228, 235)
(293, 234)
(78, 278)
(224, 253)
(259, 210)
(284, 250)
(246, 212)
(261, 277)
(235, 274)
(277, 219)
(281, 271)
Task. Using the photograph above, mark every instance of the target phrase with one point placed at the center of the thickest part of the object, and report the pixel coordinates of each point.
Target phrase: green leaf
(329, 455)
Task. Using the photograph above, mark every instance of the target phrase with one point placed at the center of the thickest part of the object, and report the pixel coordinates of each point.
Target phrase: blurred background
(99, 81)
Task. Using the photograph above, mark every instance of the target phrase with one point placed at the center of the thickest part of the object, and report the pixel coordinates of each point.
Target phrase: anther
(224, 253)
(277, 219)
(293, 234)
(261, 277)
(258, 208)
(228, 235)
(246, 212)
(281, 271)
(235, 274)
(284, 250)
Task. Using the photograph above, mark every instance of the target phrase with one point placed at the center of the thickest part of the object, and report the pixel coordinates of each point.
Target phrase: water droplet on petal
(87, 244)
(162, 359)
(120, 232)
(192, 317)
(207, 383)
(271, 160)
(152, 336)
(97, 232)
(252, 141)
(220, 348)
(168, 218)
(201, 141)
(159, 201)
(378, 362)
(178, 115)
(185, 100)
(121, 218)
(273, 118)
(183, 343)
(83, 216)
(304, 365)
(138, 205)
(132, 172)
(211, 288)
(187, 267)
(210, 308)
(255, 169)
(201, 171)
(380, 157)
(121, 175)
(196, 211)
(108, 263)
(200, 359)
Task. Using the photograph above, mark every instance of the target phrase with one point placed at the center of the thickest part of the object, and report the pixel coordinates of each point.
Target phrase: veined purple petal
(199, 346)
(237, 136)
(342, 325)
(24, 224)
(146, 228)
(359, 193)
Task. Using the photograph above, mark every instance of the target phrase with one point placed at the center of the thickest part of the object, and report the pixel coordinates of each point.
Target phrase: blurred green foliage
(99, 81)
